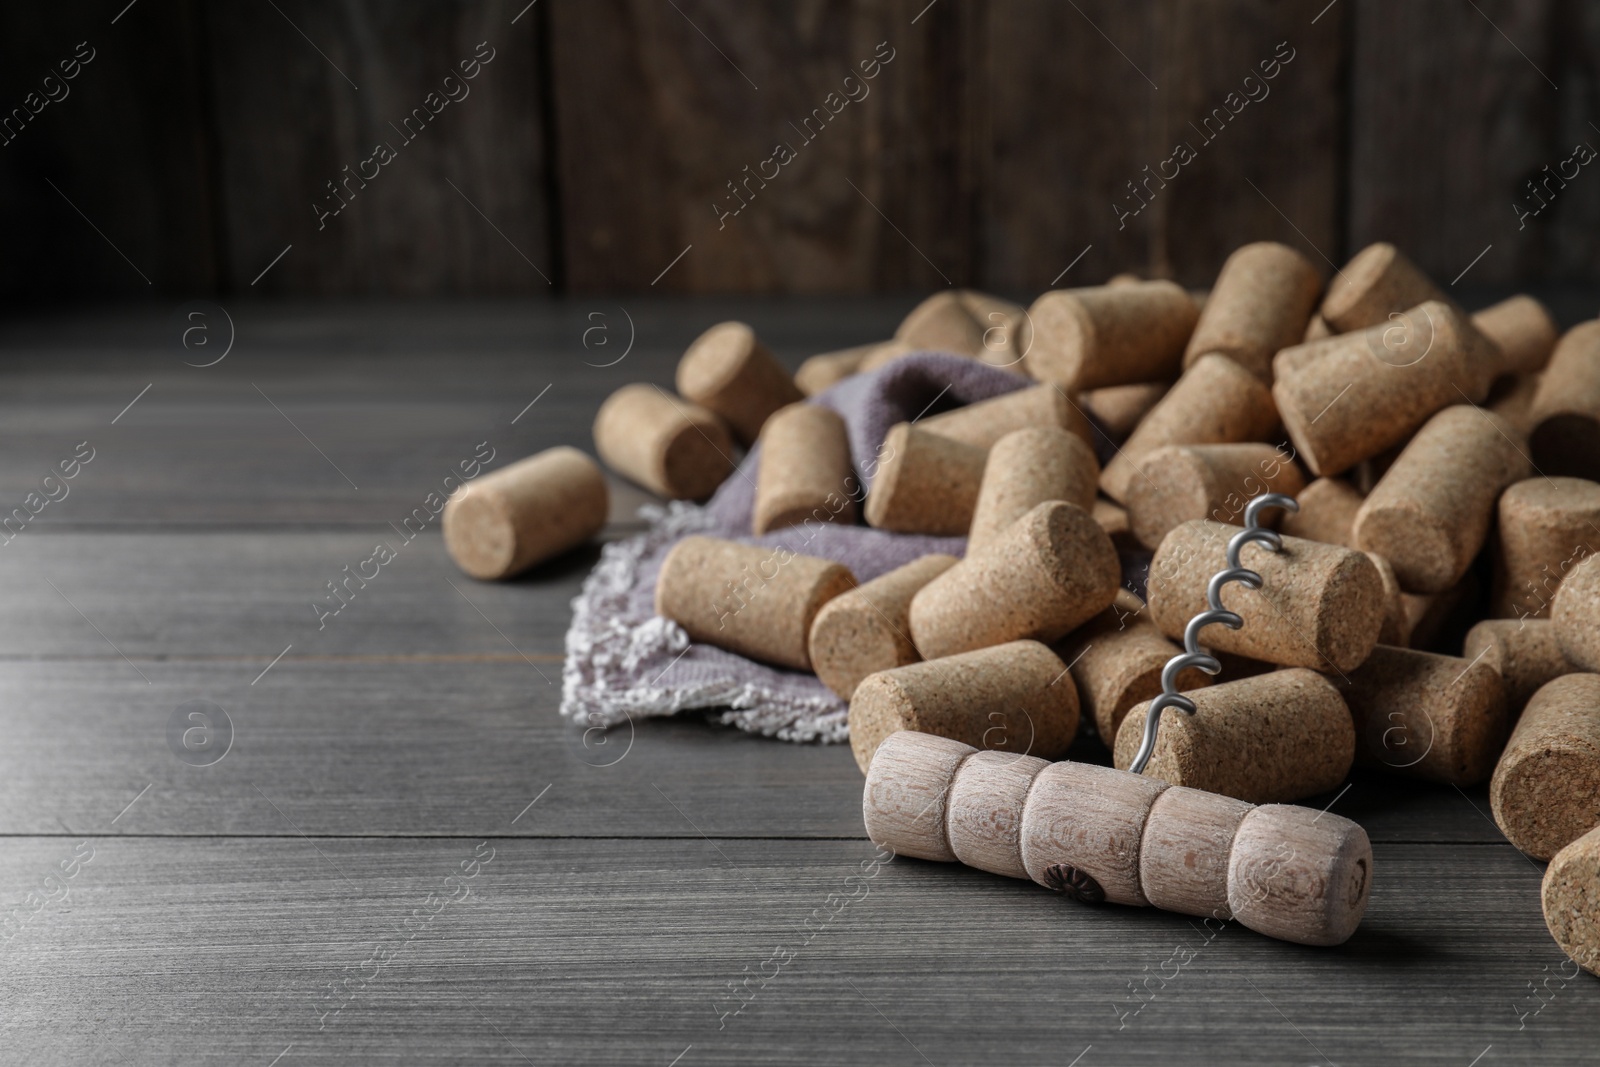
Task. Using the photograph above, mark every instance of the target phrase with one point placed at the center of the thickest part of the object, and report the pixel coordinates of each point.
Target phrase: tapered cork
(1524, 652)
(1430, 512)
(1522, 329)
(906, 801)
(1439, 718)
(1327, 512)
(1377, 282)
(1263, 298)
(987, 797)
(1025, 469)
(756, 601)
(1048, 572)
(1566, 409)
(1316, 329)
(1547, 526)
(830, 368)
(868, 629)
(1007, 331)
(1300, 875)
(1321, 606)
(1275, 737)
(942, 323)
(984, 423)
(523, 514)
(1092, 820)
(1110, 335)
(1183, 854)
(925, 483)
(886, 353)
(1118, 408)
(1571, 897)
(1576, 613)
(1183, 482)
(1116, 662)
(1366, 391)
(1545, 792)
(805, 470)
(729, 371)
(1013, 697)
(672, 447)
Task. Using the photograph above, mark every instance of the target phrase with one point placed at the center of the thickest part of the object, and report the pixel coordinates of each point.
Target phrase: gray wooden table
(397, 852)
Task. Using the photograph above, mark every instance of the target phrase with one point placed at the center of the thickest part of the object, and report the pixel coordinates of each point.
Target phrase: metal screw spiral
(1193, 655)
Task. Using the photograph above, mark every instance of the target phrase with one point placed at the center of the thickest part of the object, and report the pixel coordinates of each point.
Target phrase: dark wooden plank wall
(992, 149)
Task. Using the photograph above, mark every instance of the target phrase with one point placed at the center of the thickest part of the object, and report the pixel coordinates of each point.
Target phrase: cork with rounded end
(1089, 819)
(1215, 402)
(905, 803)
(942, 323)
(1264, 296)
(1025, 469)
(830, 368)
(523, 514)
(1183, 855)
(1009, 698)
(1274, 737)
(867, 629)
(1570, 894)
(1576, 613)
(1118, 408)
(1183, 482)
(1363, 392)
(1316, 329)
(1524, 652)
(1439, 718)
(1546, 526)
(925, 483)
(756, 601)
(1378, 281)
(805, 470)
(1545, 792)
(1321, 606)
(1110, 335)
(886, 353)
(1566, 409)
(1327, 512)
(1007, 332)
(986, 801)
(1116, 662)
(1522, 329)
(729, 371)
(672, 447)
(1300, 875)
(1397, 616)
(1047, 573)
(984, 423)
(1430, 512)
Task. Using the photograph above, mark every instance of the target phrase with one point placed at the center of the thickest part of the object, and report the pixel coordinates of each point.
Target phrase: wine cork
(906, 801)
(1118, 408)
(508, 520)
(1522, 329)
(942, 323)
(756, 601)
(805, 470)
(1090, 820)
(1013, 697)
(1439, 718)
(1113, 519)
(1025, 469)
(1110, 335)
(1430, 512)
(1545, 792)
(1512, 399)
(670, 446)
(1576, 613)
(1570, 894)
(868, 629)
(729, 371)
(830, 368)
(987, 797)
(1125, 278)
(1377, 282)
(1430, 615)
(1183, 482)
(1045, 574)
(1366, 391)
(1321, 606)
(1316, 329)
(1117, 659)
(1397, 616)
(1264, 296)
(1183, 852)
(1547, 525)
(886, 353)
(1007, 330)
(1327, 512)
(1275, 737)
(925, 483)
(1566, 409)
(1215, 402)
(1299, 875)
(1524, 652)
(984, 423)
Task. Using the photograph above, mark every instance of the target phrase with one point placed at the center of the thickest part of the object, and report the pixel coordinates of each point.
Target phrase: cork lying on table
(1025, 469)
(868, 629)
(729, 371)
(1547, 525)
(1117, 659)
(1571, 897)
(756, 601)
(1183, 482)
(670, 446)
(1013, 697)
(1109, 335)
(1118, 408)
(1007, 330)
(523, 514)
(1565, 412)
(1264, 296)
(942, 323)
(1524, 652)
(1545, 792)
(1576, 613)
(1327, 512)
(1522, 329)
(925, 483)
(805, 471)
(1275, 737)
(984, 423)
(1377, 282)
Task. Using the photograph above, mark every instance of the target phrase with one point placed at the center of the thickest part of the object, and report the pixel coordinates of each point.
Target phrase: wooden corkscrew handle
(1100, 834)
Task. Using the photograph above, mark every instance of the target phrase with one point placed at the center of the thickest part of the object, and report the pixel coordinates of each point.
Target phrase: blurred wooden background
(990, 150)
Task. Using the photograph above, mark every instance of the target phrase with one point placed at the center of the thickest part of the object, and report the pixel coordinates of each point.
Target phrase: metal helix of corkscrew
(1193, 655)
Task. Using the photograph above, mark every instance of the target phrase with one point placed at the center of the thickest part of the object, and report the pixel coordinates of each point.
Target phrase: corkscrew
(1193, 655)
